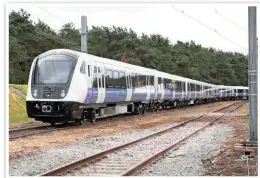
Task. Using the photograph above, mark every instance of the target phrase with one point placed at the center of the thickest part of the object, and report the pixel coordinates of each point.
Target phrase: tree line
(28, 39)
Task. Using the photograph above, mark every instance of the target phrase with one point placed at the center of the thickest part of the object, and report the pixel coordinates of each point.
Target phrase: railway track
(129, 158)
(37, 130)
(30, 131)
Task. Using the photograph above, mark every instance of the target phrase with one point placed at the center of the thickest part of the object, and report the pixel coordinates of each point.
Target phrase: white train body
(67, 85)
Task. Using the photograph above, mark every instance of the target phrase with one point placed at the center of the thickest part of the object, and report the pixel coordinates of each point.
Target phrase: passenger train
(66, 85)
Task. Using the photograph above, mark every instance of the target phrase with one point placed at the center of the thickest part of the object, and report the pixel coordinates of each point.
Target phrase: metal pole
(252, 73)
(84, 39)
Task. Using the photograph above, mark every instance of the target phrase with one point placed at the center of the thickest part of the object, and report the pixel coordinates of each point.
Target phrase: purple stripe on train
(88, 97)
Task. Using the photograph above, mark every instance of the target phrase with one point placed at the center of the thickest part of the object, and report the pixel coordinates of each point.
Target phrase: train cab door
(129, 86)
(102, 86)
(90, 83)
(100, 81)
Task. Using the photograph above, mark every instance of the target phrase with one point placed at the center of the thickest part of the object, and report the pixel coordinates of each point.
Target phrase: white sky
(156, 18)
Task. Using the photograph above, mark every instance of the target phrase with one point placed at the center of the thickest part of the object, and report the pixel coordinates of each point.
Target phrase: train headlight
(62, 93)
(35, 93)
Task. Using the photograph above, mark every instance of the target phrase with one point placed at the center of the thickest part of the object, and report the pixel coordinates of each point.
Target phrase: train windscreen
(54, 69)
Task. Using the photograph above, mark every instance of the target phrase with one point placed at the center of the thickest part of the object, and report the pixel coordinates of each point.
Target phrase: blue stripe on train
(111, 95)
(168, 94)
(178, 95)
(139, 94)
(94, 95)
(88, 96)
(115, 95)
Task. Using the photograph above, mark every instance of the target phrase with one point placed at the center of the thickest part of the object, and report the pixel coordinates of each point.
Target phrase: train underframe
(65, 112)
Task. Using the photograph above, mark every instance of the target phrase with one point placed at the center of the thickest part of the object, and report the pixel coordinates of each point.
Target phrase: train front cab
(49, 83)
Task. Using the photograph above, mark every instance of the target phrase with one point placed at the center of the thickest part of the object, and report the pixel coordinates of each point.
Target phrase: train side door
(129, 86)
(173, 88)
(148, 87)
(183, 90)
(90, 75)
(200, 92)
(155, 87)
(152, 87)
(187, 90)
(98, 80)
(162, 88)
(159, 88)
(102, 86)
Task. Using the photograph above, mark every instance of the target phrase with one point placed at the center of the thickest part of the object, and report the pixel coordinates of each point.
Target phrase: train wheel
(93, 117)
(53, 123)
(143, 110)
(81, 122)
(157, 107)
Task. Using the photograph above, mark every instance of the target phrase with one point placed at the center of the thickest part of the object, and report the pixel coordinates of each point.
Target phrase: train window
(95, 70)
(137, 82)
(131, 80)
(148, 80)
(83, 68)
(95, 77)
(159, 80)
(109, 79)
(89, 70)
(131, 77)
(122, 79)
(116, 79)
(165, 83)
(162, 81)
(168, 84)
(192, 87)
(103, 78)
(143, 80)
(99, 79)
(240, 91)
(183, 86)
(152, 80)
(178, 86)
(99, 82)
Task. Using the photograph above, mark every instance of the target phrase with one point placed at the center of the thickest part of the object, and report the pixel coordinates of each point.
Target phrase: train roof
(127, 65)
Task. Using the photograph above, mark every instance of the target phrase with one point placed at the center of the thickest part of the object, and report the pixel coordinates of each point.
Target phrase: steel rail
(51, 128)
(64, 168)
(161, 153)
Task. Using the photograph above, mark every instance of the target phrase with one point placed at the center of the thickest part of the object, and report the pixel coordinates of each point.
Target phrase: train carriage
(66, 85)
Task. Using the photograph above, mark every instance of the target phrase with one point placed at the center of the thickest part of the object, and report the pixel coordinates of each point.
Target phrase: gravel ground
(130, 156)
(51, 158)
(188, 159)
(189, 156)
(35, 144)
